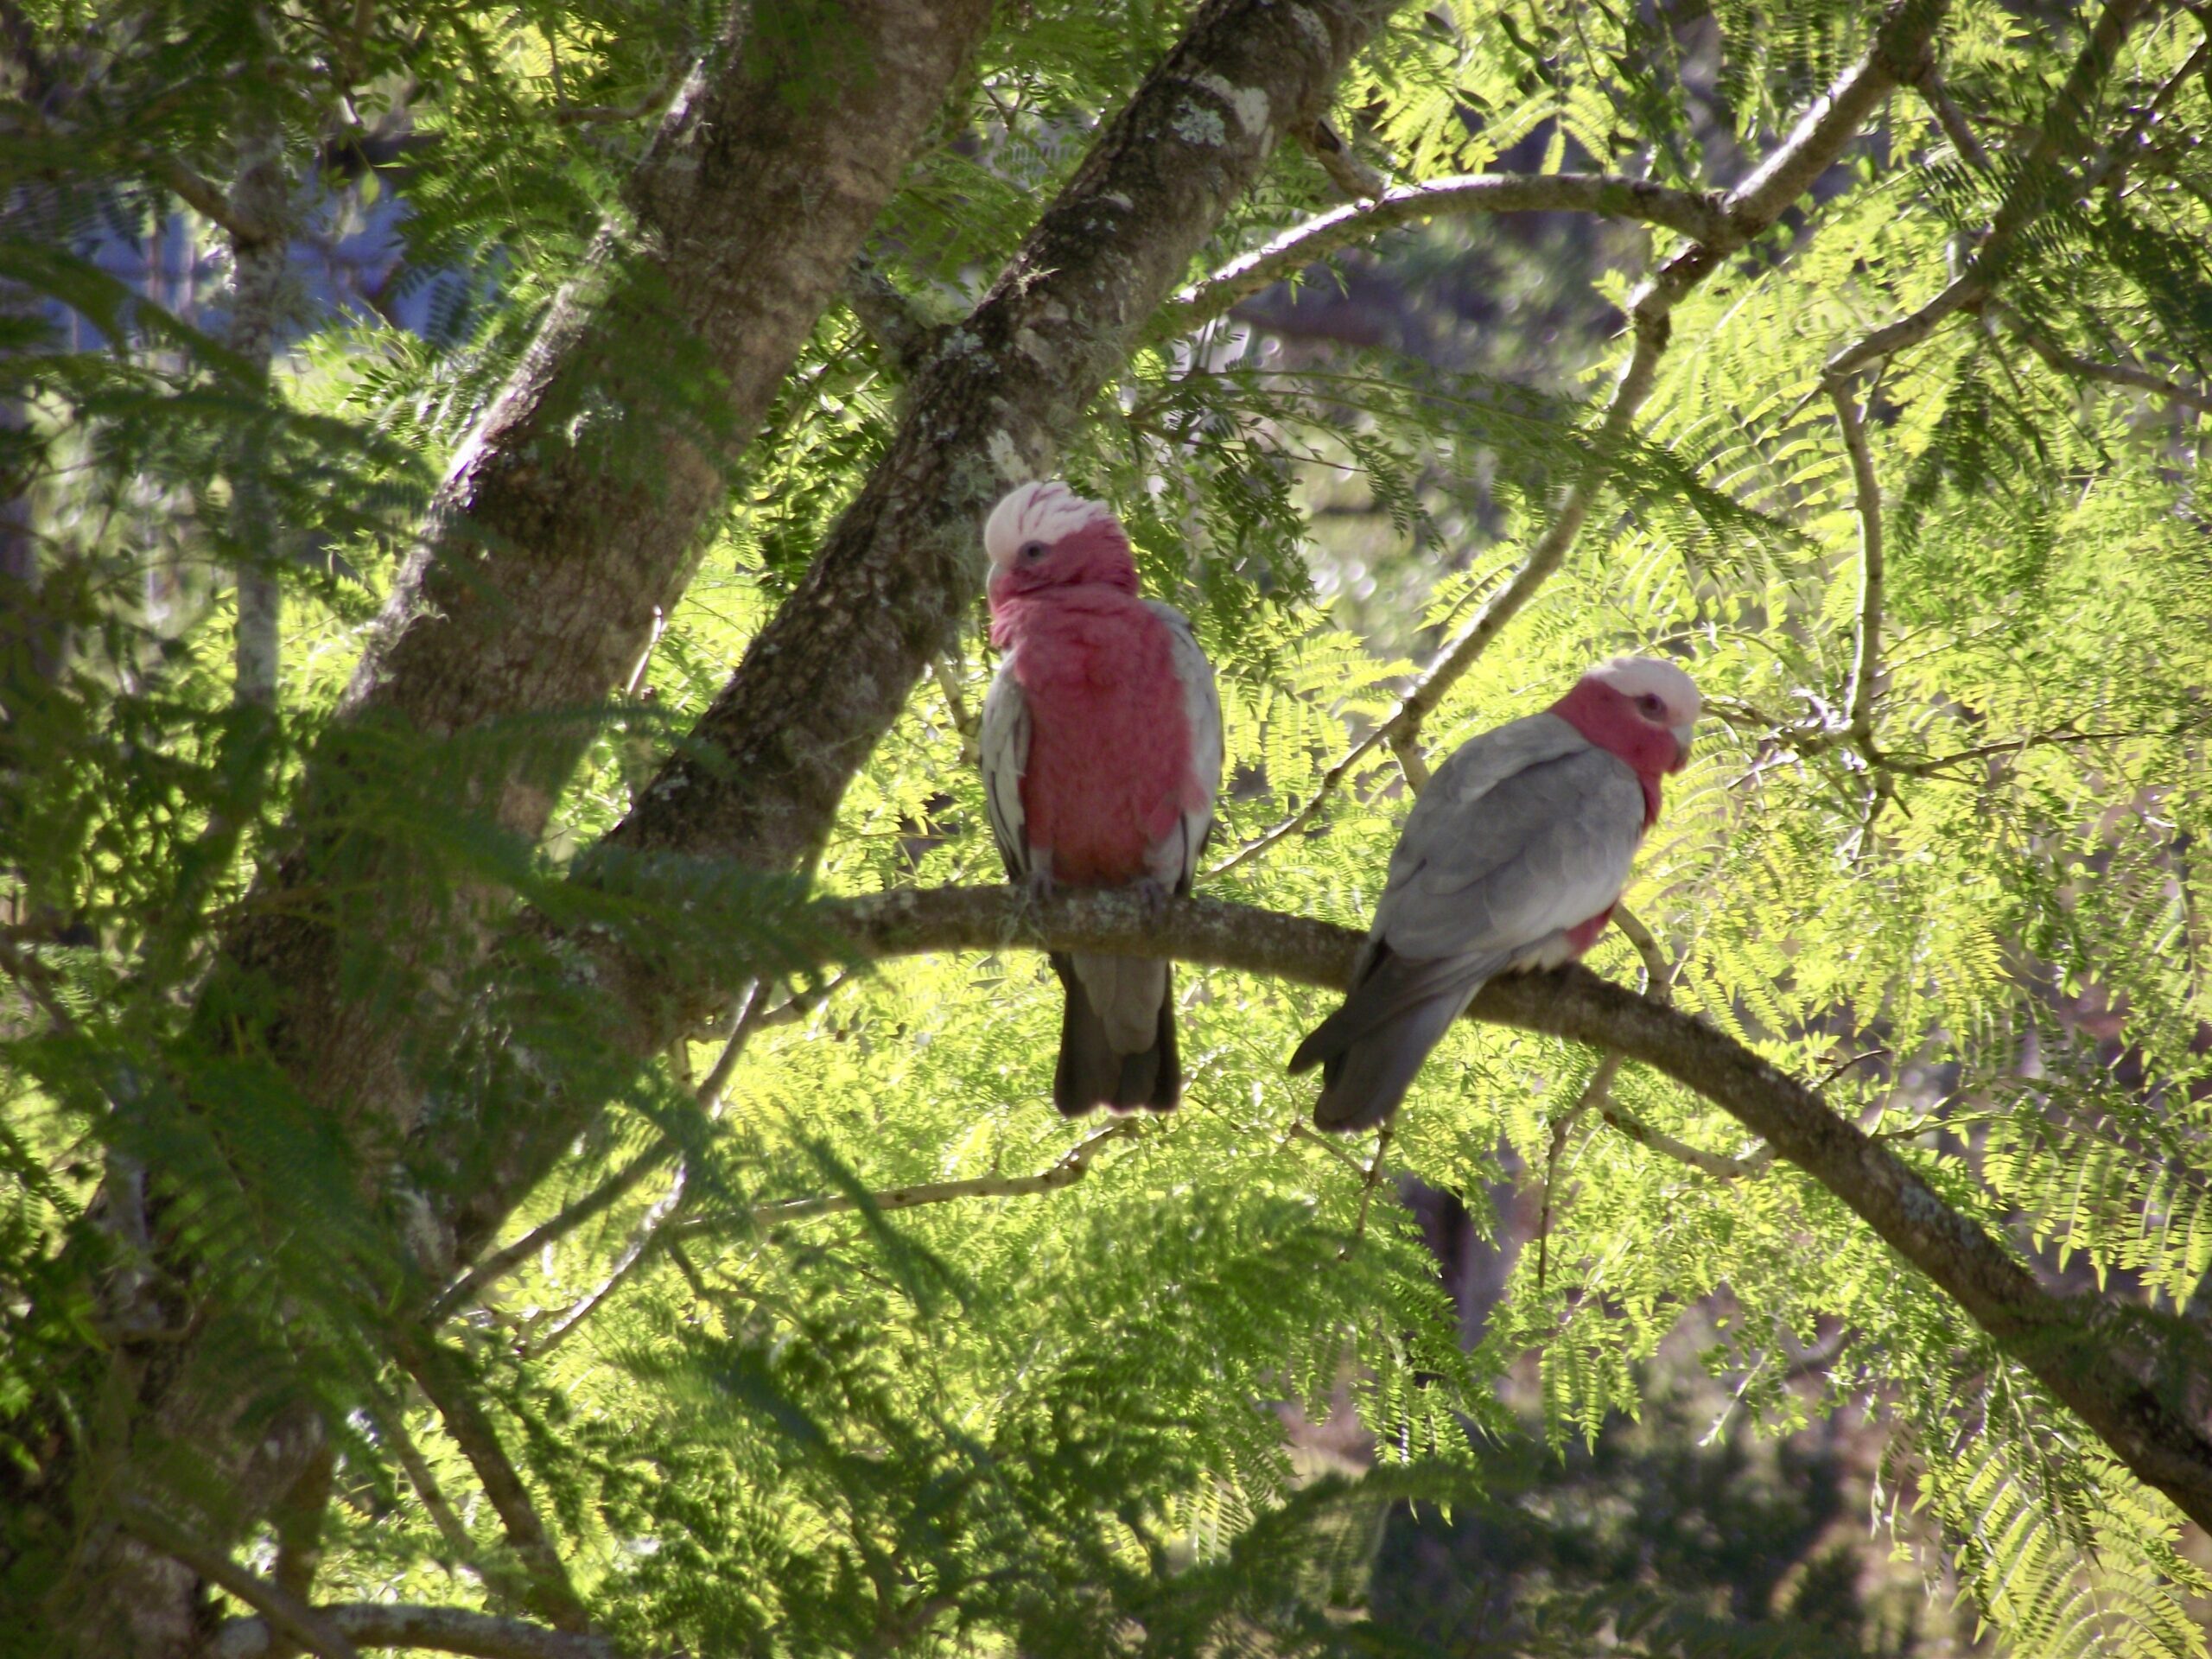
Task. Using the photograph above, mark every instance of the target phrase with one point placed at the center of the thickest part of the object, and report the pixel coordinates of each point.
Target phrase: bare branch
(1952, 119)
(585, 115)
(2033, 190)
(1071, 1168)
(642, 1239)
(202, 197)
(1345, 170)
(1867, 651)
(391, 1425)
(2100, 1357)
(1747, 211)
(551, 1595)
(1699, 215)
(1658, 977)
(434, 1630)
(2119, 374)
(465, 1291)
(283, 1613)
(1710, 1163)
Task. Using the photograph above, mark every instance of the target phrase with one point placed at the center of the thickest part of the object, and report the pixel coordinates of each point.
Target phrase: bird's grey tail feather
(1093, 1072)
(1363, 1083)
(1370, 1049)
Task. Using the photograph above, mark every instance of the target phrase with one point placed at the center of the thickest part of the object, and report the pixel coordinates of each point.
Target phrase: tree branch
(2119, 374)
(1071, 1168)
(280, 1612)
(551, 1595)
(436, 1629)
(1867, 651)
(1699, 215)
(2109, 1363)
(465, 1291)
(759, 780)
(1334, 157)
(299, 1521)
(1749, 209)
(1951, 118)
(897, 325)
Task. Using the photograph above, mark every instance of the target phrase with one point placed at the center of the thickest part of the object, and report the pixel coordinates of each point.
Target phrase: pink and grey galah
(1512, 860)
(1102, 749)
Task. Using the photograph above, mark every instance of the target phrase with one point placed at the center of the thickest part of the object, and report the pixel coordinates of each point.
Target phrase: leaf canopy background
(1965, 897)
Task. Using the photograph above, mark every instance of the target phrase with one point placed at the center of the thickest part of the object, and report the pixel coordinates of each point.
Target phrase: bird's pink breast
(1110, 746)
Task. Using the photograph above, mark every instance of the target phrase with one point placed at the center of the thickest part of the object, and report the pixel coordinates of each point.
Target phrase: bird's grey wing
(1474, 769)
(1003, 745)
(1542, 848)
(1202, 713)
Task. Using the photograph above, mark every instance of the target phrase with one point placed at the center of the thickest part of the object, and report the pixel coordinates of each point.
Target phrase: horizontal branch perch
(2098, 1357)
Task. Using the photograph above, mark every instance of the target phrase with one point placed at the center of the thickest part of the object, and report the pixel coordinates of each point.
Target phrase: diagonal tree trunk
(575, 510)
(759, 782)
(572, 512)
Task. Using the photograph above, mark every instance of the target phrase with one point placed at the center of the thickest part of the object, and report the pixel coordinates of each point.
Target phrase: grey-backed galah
(1102, 750)
(1511, 860)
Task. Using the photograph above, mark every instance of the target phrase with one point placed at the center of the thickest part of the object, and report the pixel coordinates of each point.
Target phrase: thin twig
(1299, 1131)
(1372, 1174)
(799, 1004)
(581, 115)
(1067, 1171)
(1698, 215)
(1749, 1166)
(286, 1614)
(467, 1290)
(551, 1595)
(634, 1252)
(1598, 1089)
(472, 1285)
(1866, 664)
(1747, 211)
(391, 1425)
(1658, 977)
(2119, 374)
(1952, 119)
(948, 683)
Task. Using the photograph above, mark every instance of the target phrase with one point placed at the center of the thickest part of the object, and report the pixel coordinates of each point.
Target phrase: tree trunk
(536, 581)
(759, 781)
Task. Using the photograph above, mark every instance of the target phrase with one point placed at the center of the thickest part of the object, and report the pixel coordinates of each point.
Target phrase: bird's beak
(1681, 744)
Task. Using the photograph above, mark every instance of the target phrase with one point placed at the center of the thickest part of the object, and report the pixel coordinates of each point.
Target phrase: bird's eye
(1032, 549)
(1651, 705)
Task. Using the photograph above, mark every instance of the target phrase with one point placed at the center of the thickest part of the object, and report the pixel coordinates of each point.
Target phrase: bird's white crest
(1036, 512)
(1636, 677)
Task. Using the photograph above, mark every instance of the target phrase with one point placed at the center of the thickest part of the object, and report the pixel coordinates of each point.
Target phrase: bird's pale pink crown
(1045, 535)
(1642, 709)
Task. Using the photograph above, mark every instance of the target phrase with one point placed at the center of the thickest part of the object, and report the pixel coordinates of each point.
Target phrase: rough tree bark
(759, 781)
(260, 202)
(551, 544)
(2114, 1366)
(573, 513)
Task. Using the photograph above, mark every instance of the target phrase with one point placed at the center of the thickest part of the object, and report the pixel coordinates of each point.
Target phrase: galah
(1512, 860)
(1102, 750)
